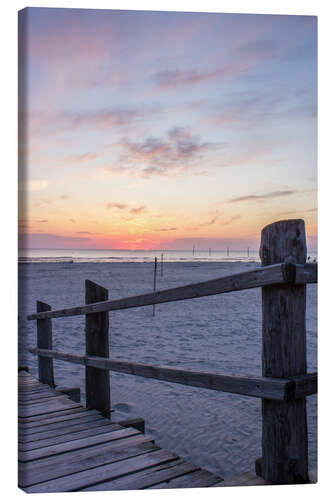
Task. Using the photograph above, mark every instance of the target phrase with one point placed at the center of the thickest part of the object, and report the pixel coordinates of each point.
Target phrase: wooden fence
(285, 382)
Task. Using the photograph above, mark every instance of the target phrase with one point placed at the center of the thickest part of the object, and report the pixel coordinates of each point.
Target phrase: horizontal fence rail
(277, 274)
(259, 387)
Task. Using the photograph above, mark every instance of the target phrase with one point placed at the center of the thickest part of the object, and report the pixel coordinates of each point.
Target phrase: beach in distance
(218, 431)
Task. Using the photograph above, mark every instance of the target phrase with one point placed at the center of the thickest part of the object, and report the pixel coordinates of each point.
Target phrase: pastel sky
(158, 130)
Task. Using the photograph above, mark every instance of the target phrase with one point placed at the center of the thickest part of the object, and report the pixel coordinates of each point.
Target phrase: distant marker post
(155, 272)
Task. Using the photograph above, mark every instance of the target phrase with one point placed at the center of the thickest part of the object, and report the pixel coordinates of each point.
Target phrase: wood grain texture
(261, 387)
(97, 344)
(284, 424)
(44, 341)
(85, 478)
(25, 456)
(146, 477)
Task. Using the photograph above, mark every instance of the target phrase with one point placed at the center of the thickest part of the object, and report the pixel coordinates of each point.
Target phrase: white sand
(220, 432)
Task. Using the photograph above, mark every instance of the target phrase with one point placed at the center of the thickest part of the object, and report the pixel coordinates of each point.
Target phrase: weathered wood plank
(57, 415)
(44, 341)
(44, 428)
(33, 398)
(284, 424)
(32, 403)
(40, 409)
(97, 344)
(269, 275)
(62, 465)
(83, 479)
(103, 428)
(146, 477)
(25, 456)
(261, 387)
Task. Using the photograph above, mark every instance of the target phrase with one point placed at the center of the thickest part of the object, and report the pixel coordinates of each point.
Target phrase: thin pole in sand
(210, 252)
(248, 251)
(155, 271)
(193, 249)
(228, 251)
(161, 264)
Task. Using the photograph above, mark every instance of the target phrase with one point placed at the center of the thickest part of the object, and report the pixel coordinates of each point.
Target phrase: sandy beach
(220, 432)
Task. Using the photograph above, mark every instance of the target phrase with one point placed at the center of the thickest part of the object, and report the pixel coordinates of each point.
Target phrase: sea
(111, 255)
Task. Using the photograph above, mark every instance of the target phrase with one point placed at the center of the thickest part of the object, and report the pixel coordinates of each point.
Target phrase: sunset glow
(157, 130)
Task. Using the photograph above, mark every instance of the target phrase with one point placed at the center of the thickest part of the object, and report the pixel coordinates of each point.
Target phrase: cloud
(83, 232)
(72, 220)
(64, 197)
(241, 60)
(81, 158)
(138, 210)
(47, 122)
(173, 155)
(272, 194)
(166, 229)
(229, 221)
(204, 224)
(121, 206)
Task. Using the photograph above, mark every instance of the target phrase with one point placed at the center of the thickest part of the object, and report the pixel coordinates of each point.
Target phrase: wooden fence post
(97, 344)
(44, 341)
(284, 426)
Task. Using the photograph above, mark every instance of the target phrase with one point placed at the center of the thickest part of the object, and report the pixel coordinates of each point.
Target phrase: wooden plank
(69, 463)
(41, 409)
(25, 456)
(260, 387)
(284, 424)
(103, 428)
(24, 398)
(44, 341)
(31, 403)
(25, 437)
(45, 428)
(241, 281)
(197, 479)
(57, 415)
(97, 344)
(74, 482)
(146, 477)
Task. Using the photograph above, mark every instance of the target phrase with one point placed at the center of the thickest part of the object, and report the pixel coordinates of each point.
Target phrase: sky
(160, 130)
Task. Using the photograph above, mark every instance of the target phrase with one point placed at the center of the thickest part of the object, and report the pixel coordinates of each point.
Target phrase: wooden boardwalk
(65, 447)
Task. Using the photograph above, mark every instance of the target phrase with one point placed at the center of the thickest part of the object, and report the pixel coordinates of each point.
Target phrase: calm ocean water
(88, 255)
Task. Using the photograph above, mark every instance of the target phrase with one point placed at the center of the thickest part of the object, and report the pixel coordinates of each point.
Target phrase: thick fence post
(284, 426)
(97, 344)
(44, 341)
